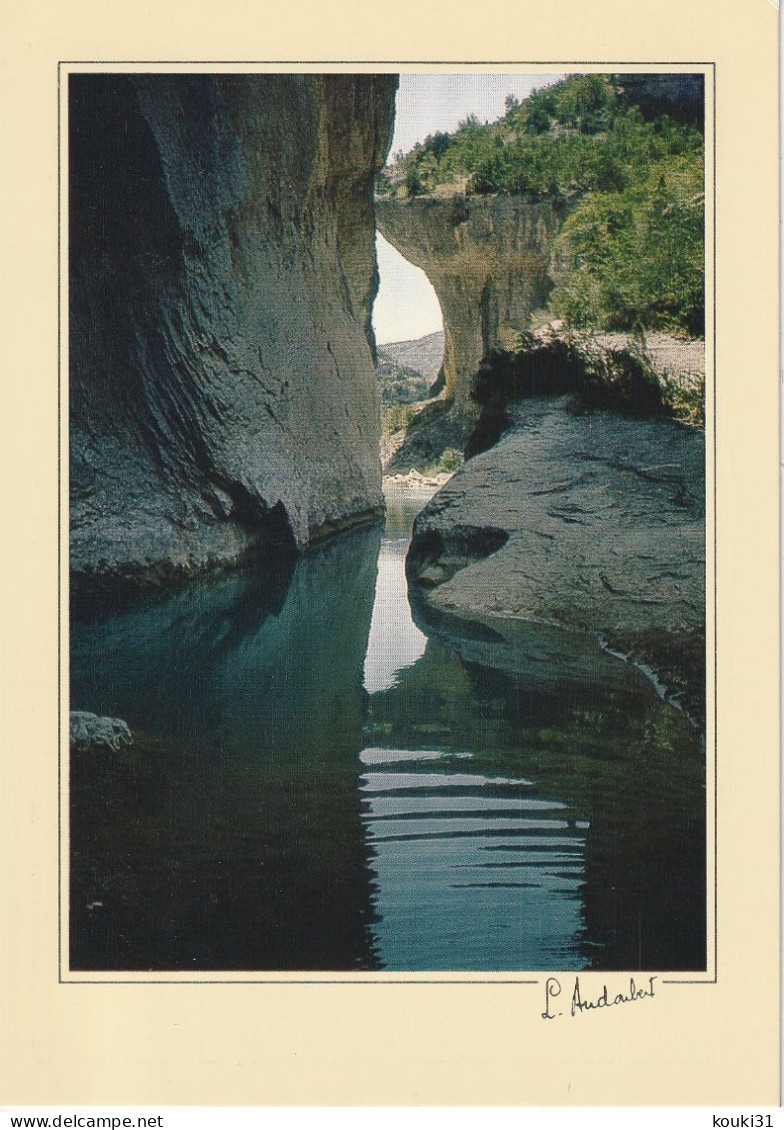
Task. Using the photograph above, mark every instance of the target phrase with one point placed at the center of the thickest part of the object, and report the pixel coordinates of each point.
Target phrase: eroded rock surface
(222, 272)
(487, 258)
(591, 522)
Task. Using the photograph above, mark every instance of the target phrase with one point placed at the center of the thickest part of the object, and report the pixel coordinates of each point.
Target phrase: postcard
(394, 688)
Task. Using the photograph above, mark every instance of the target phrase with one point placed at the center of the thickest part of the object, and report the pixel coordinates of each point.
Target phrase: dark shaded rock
(611, 371)
(603, 517)
(434, 429)
(680, 95)
(222, 272)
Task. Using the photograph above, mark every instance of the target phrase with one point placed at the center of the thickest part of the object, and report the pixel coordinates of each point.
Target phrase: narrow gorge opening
(409, 329)
(304, 764)
(406, 306)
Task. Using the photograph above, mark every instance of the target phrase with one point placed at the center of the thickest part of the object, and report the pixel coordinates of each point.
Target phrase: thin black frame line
(63, 62)
(387, 62)
(59, 545)
(407, 981)
(715, 566)
(387, 981)
(73, 981)
(710, 981)
(715, 978)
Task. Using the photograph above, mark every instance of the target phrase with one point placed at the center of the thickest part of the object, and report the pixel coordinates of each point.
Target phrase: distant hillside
(407, 369)
(424, 354)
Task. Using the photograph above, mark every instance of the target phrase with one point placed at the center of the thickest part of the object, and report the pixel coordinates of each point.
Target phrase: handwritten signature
(578, 1005)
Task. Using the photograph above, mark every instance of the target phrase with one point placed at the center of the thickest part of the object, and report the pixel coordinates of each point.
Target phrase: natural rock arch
(487, 258)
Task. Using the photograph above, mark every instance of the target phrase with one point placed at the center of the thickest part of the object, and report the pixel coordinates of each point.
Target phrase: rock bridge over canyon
(487, 258)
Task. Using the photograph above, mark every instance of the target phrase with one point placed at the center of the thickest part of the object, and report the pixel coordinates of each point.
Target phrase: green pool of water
(321, 782)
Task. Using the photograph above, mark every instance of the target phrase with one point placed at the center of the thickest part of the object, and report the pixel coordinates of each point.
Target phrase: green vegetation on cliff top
(630, 254)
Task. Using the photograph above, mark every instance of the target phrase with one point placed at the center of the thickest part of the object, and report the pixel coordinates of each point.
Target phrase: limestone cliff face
(222, 273)
(487, 258)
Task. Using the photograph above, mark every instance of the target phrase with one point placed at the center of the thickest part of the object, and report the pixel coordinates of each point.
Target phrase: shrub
(684, 394)
(451, 459)
(397, 418)
(624, 379)
(631, 252)
(413, 182)
(635, 258)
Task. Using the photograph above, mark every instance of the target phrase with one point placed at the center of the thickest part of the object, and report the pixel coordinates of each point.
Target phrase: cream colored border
(533, 979)
(427, 1044)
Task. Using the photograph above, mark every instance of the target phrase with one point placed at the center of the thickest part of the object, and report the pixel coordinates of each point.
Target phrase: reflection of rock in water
(472, 870)
(509, 798)
(588, 733)
(248, 707)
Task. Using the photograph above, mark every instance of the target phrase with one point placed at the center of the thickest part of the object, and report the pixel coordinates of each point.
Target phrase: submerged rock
(89, 730)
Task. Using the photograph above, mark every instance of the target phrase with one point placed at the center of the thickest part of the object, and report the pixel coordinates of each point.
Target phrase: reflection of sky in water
(471, 869)
(459, 814)
(395, 641)
(481, 875)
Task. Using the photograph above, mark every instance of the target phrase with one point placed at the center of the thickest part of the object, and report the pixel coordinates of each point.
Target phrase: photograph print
(387, 523)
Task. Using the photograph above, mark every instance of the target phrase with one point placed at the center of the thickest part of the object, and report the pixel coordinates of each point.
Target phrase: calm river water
(317, 784)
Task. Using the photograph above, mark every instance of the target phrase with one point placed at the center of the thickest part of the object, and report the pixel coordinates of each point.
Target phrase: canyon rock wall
(222, 274)
(487, 258)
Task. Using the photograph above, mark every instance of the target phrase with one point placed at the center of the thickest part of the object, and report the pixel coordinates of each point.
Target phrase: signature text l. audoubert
(583, 1002)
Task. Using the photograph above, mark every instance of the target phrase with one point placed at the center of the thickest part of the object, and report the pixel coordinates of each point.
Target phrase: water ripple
(448, 895)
